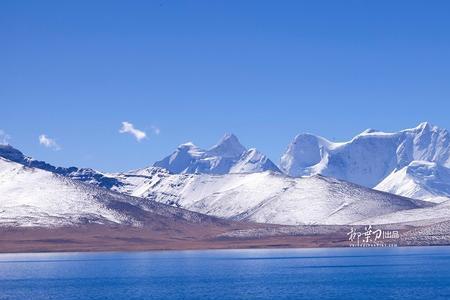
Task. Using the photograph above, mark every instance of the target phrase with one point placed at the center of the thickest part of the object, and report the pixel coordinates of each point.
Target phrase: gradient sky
(264, 70)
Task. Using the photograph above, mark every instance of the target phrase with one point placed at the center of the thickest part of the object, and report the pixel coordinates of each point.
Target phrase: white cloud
(129, 128)
(4, 137)
(48, 142)
(156, 130)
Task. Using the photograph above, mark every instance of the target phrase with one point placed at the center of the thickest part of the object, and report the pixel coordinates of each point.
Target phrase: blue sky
(73, 71)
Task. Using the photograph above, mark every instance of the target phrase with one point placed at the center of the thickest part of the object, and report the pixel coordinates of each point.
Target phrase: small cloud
(48, 142)
(156, 130)
(129, 128)
(4, 137)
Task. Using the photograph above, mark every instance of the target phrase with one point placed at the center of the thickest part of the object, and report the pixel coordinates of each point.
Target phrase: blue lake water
(350, 273)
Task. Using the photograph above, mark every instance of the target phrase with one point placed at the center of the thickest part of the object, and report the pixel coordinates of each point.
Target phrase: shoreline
(101, 238)
(219, 249)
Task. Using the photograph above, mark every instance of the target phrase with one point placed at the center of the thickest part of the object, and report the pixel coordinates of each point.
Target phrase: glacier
(368, 158)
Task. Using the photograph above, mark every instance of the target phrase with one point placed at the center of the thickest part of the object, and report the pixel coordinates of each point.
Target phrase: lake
(351, 273)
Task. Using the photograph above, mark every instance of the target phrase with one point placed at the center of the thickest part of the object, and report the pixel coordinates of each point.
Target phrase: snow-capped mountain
(419, 180)
(35, 197)
(82, 174)
(265, 197)
(227, 156)
(369, 157)
(232, 182)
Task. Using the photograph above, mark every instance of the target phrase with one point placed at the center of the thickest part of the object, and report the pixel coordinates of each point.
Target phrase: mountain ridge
(82, 174)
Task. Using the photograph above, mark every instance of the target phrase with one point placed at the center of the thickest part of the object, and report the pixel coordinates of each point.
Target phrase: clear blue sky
(264, 70)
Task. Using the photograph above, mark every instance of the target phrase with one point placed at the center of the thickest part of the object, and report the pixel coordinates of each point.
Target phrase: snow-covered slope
(31, 196)
(252, 161)
(369, 157)
(82, 174)
(420, 216)
(228, 156)
(132, 180)
(35, 197)
(419, 180)
(265, 197)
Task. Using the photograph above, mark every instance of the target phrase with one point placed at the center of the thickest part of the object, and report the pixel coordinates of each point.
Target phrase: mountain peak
(303, 152)
(368, 131)
(227, 156)
(228, 146)
(9, 152)
(228, 138)
(302, 137)
(187, 145)
(424, 125)
(253, 161)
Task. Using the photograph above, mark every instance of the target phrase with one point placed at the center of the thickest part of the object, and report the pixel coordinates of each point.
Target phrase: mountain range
(376, 176)
(227, 156)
